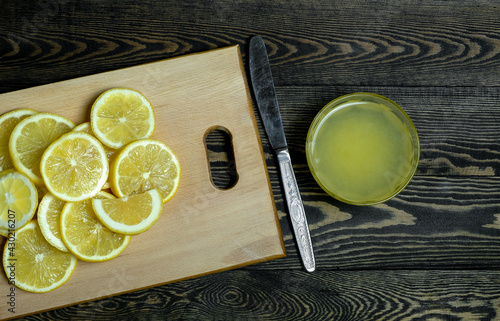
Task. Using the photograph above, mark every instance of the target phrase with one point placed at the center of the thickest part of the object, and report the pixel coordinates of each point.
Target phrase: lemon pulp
(361, 152)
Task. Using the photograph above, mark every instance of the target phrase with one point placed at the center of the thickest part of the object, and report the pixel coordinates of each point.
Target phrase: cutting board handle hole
(220, 154)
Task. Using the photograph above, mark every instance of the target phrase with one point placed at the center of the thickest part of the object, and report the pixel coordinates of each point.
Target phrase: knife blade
(267, 103)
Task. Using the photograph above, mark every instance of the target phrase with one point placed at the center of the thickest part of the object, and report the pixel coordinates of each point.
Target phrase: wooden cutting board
(202, 229)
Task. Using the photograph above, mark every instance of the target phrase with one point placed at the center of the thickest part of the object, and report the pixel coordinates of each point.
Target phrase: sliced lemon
(31, 137)
(7, 123)
(85, 127)
(86, 237)
(120, 116)
(32, 264)
(74, 167)
(130, 215)
(18, 200)
(48, 216)
(143, 165)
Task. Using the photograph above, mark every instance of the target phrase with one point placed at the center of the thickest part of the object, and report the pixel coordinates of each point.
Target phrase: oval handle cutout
(220, 154)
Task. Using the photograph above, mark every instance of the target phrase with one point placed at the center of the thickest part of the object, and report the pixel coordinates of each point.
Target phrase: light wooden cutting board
(202, 229)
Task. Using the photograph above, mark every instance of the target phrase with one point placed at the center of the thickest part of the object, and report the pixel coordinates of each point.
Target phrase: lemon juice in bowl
(362, 149)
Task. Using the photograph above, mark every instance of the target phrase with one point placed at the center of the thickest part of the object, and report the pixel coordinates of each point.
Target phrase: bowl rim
(415, 140)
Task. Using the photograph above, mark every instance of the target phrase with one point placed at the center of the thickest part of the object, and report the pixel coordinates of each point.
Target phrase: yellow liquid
(362, 153)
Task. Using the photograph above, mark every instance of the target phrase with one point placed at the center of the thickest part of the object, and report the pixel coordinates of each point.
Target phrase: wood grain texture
(292, 295)
(440, 223)
(432, 253)
(358, 42)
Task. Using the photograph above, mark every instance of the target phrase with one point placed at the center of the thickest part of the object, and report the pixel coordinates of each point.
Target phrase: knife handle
(296, 209)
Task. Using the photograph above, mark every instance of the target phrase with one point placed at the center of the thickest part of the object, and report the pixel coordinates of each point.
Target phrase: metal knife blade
(265, 93)
(267, 103)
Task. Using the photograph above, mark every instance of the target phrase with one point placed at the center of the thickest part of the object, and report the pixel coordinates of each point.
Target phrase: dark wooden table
(431, 253)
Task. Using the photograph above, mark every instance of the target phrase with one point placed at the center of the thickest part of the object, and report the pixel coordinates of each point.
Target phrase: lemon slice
(130, 215)
(31, 137)
(86, 237)
(85, 127)
(48, 215)
(120, 116)
(32, 264)
(7, 123)
(18, 200)
(74, 167)
(143, 165)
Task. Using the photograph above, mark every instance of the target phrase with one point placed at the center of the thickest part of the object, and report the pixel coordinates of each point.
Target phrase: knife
(267, 103)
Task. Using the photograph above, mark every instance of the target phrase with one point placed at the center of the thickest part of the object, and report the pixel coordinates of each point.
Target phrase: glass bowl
(362, 149)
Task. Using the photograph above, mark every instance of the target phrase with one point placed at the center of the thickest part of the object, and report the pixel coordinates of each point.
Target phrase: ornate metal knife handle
(296, 209)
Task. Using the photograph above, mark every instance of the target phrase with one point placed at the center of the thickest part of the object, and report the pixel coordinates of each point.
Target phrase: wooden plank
(322, 42)
(292, 295)
(203, 229)
(435, 223)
